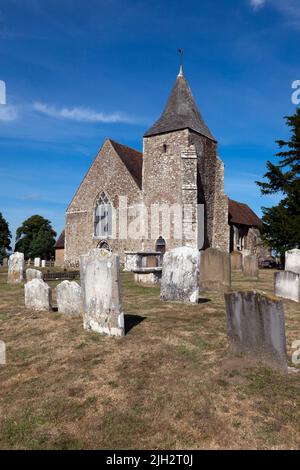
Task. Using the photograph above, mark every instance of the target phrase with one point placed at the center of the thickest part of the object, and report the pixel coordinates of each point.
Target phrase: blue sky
(79, 71)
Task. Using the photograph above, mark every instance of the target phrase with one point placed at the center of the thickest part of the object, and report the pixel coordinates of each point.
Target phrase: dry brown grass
(170, 383)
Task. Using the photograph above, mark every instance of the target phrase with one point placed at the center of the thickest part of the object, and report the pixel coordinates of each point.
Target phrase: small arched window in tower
(103, 245)
(103, 217)
(160, 245)
(165, 147)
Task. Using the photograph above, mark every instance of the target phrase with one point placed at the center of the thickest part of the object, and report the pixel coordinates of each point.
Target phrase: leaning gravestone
(33, 274)
(37, 262)
(256, 326)
(250, 267)
(236, 260)
(215, 270)
(37, 295)
(292, 261)
(101, 293)
(16, 268)
(68, 296)
(180, 275)
(287, 285)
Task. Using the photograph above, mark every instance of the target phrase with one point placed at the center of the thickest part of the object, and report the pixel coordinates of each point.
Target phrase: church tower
(181, 169)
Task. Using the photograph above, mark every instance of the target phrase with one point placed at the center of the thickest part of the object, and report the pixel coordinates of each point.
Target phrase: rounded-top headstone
(33, 274)
(68, 297)
(37, 295)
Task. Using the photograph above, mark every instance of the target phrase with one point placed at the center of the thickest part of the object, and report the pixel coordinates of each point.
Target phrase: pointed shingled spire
(181, 112)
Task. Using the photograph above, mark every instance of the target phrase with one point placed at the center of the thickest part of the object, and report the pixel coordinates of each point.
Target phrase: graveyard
(171, 381)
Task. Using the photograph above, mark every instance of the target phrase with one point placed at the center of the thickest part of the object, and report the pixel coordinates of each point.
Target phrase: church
(180, 168)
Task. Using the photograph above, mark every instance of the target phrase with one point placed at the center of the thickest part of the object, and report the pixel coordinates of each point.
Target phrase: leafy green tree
(5, 237)
(281, 223)
(36, 238)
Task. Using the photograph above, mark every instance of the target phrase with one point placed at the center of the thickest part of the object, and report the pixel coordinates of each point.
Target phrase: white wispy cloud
(80, 114)
(8, 113)
(256, 4)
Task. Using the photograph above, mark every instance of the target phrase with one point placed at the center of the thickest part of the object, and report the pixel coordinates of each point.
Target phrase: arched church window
(160, 245)
(103, 217)
(103, 245)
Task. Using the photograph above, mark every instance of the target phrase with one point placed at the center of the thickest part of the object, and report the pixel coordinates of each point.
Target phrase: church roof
(60, 243)
(241, 214)
(132, 159)
(181, 112)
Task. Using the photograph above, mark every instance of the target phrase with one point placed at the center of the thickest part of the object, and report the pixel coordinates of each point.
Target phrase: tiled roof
(241, 214)
(132, 159)
(60, 243)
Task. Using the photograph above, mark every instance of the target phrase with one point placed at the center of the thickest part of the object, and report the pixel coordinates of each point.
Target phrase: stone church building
(179, 167)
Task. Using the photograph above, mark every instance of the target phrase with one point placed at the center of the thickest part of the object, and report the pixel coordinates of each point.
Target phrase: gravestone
(256, 326)
(287, 285)
(236, 261)
(37, 295)
(292, 261)
(250, 267)
(37, 262)
(5, 262)
(68, 296)
(28, 262)
(16, 266)
(180, 275)
(101, 293)
(132, 261)
(215, 270)
(43, 263)
(33, 274)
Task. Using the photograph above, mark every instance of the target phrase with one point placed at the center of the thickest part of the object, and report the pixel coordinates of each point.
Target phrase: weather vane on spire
(180, 52)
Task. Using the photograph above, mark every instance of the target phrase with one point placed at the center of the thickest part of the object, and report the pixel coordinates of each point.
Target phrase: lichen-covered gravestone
(37, 262)
(236, 261)
(250, 267)
(292, 261)
(180, 275)
(287, 285)
(68, 296)
(33, 274)
(37, 295)
(215, 270)
(256, 326)
(101, 293)
(16, 266)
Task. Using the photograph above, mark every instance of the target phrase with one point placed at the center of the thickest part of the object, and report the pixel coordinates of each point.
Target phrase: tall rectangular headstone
(180, 275)
(101, 293)
(215, 270)
(5, 262)
(43, 263)
(236, 260)
(16, 266)
(37, 262)
(250, 267)
(256, 326)
(292, 261)
(287, 285)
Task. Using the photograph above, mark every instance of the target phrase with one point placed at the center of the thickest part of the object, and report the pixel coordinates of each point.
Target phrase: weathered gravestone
(37, 295)
(236, 261)
(287, 285)
(28, 263)
(43, 263)
(16, 268)
(215, 270)
(37, 262)
(250, 267)
(180, 275)
(292, 261)
(33, 274)
(68, 296)
(256, 326)
(101, 293)
(5, 262)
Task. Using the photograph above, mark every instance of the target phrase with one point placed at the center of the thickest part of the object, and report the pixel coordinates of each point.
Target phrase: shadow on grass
(131, 321)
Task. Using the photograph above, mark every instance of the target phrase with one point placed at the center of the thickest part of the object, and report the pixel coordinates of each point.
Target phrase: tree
(36, 238)
(5, 237)
(281, 223)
